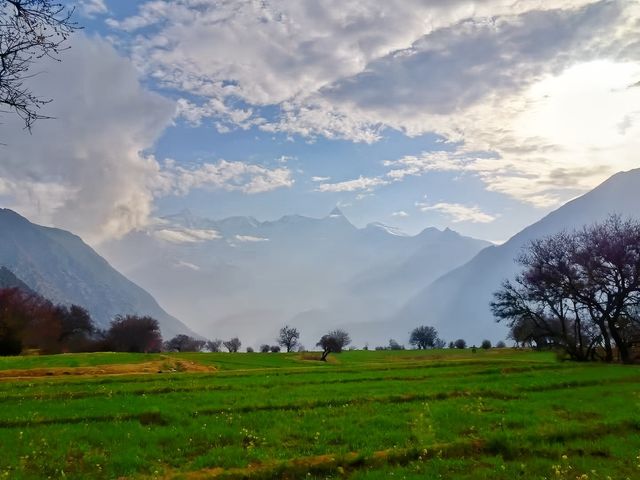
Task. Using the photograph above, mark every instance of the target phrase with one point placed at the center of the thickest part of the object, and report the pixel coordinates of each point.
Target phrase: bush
(249, 349)
(274, 349)
(264, 348)
(486, 344)
(501, 344)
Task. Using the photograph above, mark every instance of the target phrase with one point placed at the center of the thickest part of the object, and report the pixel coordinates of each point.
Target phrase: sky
(480, 116)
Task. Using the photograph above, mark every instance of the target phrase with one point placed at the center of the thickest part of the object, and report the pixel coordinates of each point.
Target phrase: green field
(497, 414)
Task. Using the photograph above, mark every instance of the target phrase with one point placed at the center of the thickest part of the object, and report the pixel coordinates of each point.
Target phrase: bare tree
(333, 342)
(578, 290)
(29, 30)
(288, 338)
(214, 345)
(233, 345)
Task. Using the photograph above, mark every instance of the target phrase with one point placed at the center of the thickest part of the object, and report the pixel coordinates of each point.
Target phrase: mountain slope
(240, 276)
(61, 267)
(9, 280)
(458, 302)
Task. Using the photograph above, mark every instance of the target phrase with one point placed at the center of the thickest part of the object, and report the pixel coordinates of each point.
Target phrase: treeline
(30, 322)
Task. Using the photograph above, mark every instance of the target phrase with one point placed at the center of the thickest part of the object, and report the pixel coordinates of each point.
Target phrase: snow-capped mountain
(458, 302)
(241, 276)
(61, 267)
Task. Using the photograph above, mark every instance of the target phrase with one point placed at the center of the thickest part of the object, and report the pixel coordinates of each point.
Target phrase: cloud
(320, 179)
(84, 170)
(186, 235)
(401, 214)
(250, 238)
(359, 184)
(458, 212)
(91, 8)
(87, 169)
(224, 175)
(485, 76)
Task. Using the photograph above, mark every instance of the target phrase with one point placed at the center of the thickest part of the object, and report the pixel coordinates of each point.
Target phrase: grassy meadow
(496, 414)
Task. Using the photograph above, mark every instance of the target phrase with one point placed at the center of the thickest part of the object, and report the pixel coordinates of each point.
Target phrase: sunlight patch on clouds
(457, 212)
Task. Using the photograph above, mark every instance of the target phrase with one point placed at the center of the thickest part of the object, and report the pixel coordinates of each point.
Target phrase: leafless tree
(29, 30)
(288, 337)
(233, 345)
(578, 290)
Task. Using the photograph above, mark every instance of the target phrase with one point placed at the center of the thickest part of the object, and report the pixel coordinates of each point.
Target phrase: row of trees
(578, 291)
(30, 322)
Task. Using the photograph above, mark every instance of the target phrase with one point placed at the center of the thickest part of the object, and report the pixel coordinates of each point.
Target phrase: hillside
(61, 267)
(458, 302)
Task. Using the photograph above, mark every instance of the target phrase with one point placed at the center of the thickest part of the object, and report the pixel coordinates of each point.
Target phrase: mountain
(61, 267)
(240, 276)
(457, 303)
(9, 280)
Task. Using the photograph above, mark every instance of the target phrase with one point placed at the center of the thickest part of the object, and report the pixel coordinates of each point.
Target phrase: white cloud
(224, 175)
(250, 238)
(400, 214)
(491, 77)
(186, 235)
(91, 8)
(190, 266)
(86, 169)
(361, 183)
(458, 212)
(320, 179)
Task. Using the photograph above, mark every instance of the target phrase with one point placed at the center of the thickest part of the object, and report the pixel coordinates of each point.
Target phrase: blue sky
(478, 116)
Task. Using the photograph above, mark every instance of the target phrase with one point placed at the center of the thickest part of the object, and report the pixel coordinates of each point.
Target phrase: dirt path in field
(164, 365)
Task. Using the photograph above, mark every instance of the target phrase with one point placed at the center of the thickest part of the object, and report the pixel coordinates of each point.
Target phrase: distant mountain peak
(336, 212)
(388, 229)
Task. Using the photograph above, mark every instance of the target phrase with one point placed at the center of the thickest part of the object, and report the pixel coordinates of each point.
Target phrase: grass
(497, 414)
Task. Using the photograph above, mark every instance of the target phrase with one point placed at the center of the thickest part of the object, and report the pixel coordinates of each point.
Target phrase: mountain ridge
(58, 265)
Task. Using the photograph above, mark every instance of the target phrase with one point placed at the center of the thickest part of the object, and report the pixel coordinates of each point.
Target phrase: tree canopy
(579, 291)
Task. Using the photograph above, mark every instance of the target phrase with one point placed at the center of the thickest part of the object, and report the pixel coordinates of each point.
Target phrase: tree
(486, 344)
(184, 343)
(578, 291)
(133, 333)
(29, 30)
(250, 350)
(393, 345)
(264, 348)
(214, 345)
(501, 344)
(288, 338)
(333, 342)
(460, 343)
(233, 345)
(423, 337)
(274, 349)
